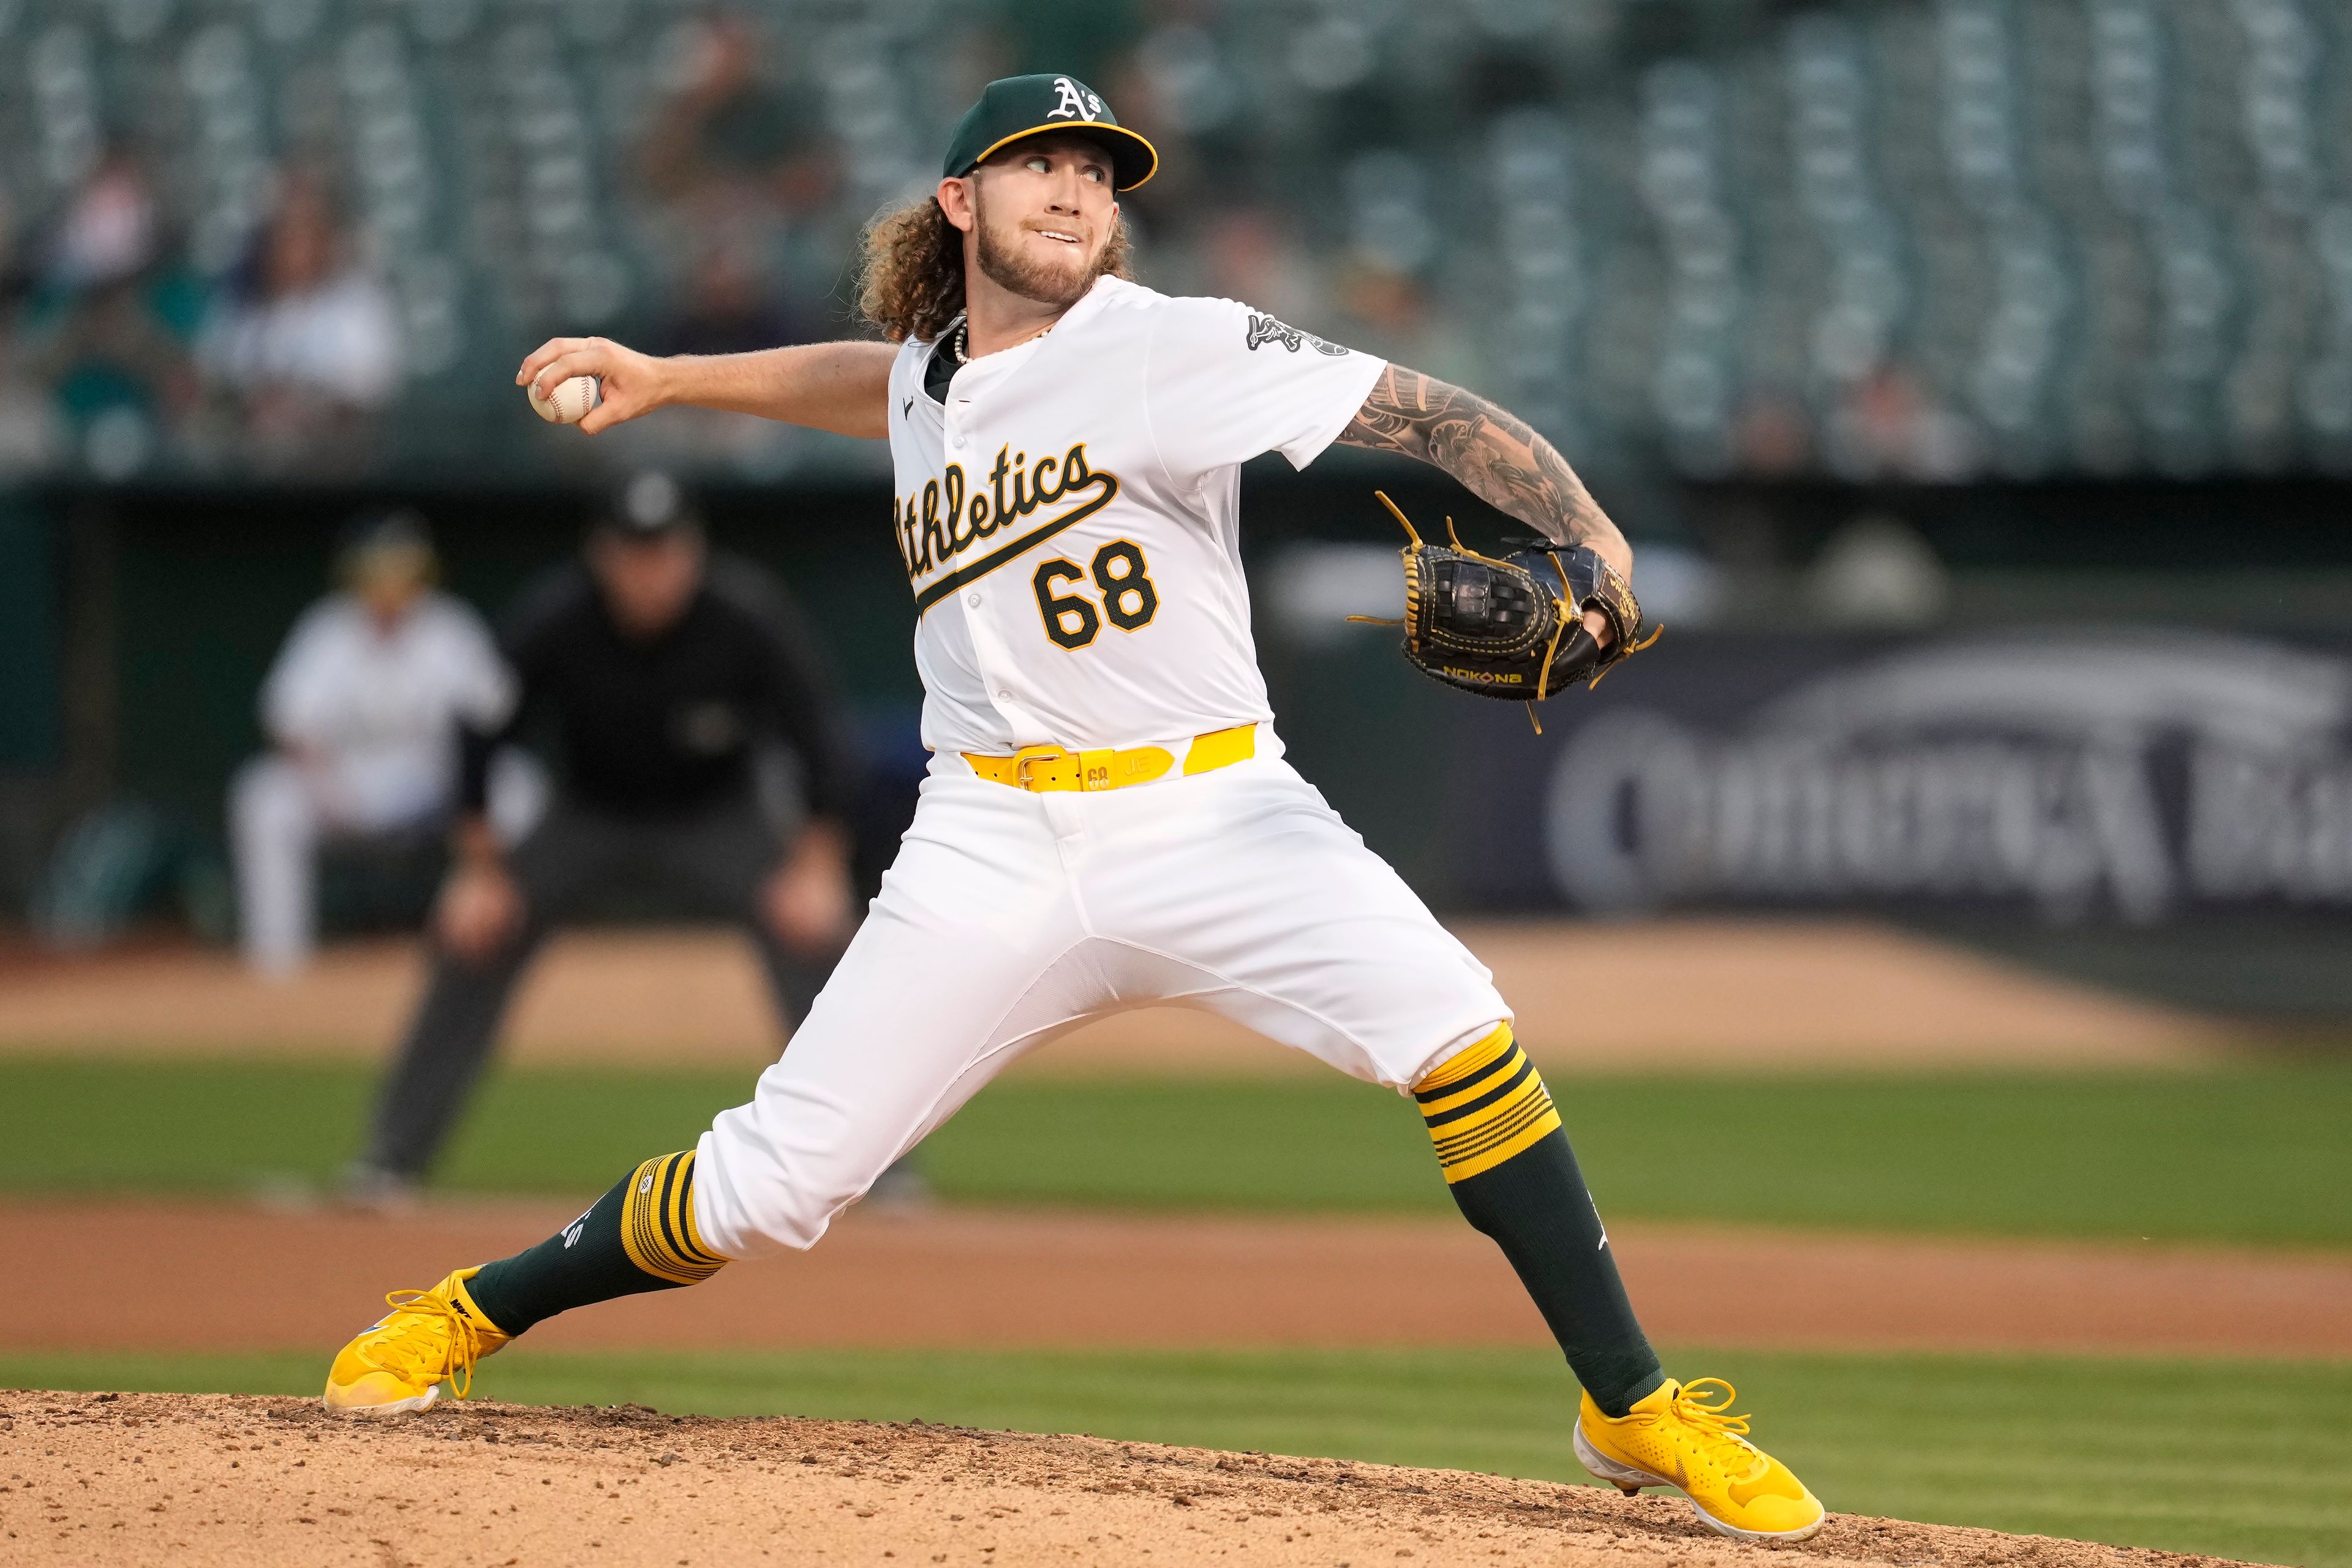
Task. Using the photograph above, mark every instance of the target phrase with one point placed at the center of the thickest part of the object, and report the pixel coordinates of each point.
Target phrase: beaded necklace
(959, 344)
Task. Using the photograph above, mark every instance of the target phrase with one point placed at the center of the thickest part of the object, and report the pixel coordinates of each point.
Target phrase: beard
(1010, 268)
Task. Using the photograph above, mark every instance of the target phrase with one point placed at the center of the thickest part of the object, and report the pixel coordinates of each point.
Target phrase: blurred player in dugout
(362, 709)
(674, 680)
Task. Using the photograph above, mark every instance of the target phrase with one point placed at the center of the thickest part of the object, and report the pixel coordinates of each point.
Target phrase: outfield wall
(2169, 789)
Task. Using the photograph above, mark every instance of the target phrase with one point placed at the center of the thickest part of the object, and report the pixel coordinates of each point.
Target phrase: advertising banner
(2116, 774)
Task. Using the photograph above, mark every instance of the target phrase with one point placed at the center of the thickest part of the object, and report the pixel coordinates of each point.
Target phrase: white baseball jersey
(1069, 523)
(1070, 520)
(381, 708)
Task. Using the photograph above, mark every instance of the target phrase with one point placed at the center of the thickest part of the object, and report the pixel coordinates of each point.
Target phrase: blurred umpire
(670, 675)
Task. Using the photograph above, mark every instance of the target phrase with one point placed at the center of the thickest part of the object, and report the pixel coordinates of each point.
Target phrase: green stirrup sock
(1514, 1177)
(638, 1236)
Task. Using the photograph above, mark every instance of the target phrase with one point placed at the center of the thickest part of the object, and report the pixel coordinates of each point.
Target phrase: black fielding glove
(1511, 628)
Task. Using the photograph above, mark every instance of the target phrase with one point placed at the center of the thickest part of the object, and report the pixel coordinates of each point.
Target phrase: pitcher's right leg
(1287, 922)
(954, 970)
(640, 1236)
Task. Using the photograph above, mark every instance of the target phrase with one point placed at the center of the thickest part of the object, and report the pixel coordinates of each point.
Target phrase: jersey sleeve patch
(1261, 329)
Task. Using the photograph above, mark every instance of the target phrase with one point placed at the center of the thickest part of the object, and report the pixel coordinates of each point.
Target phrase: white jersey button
(973, 600)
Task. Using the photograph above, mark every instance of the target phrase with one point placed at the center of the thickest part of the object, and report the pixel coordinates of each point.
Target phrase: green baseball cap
(1018, 106)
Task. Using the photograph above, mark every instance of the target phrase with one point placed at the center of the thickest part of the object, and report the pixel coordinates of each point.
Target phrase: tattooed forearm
(1502, 461)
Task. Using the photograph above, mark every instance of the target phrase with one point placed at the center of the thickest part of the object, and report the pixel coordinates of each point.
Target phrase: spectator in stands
(106, 320)
(30, 431)
(1385, 308)
(666, 671)
(1248, 253)
(360, 711)
(732, 134)
(739, 158)
(732, 303)
(1890, 424)
(1773, 435)
(15, 273)
(309, 342)
(108, 231)
(31, 435)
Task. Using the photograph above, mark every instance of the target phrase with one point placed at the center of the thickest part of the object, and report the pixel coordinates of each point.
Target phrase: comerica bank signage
(2090, 775)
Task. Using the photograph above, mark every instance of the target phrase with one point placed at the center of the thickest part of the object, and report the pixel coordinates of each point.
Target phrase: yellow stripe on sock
(1473, 1134)
(1456, 1067)
(681, 1218)
(1539, 1123)
(1484, 1106)
(1508, 1117)
(658, 1223)
(636, 1220)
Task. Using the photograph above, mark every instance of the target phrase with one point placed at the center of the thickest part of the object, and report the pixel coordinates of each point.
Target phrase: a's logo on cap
(1077, 102)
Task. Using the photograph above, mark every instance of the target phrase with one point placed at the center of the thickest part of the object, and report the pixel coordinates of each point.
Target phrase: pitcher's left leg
(1277, 916)
(1507, 1163)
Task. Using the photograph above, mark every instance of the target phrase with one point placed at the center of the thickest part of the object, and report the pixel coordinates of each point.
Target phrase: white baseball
(571, 402)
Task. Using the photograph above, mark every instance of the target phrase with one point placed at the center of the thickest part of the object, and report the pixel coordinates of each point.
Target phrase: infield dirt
(201, 1480)
(1685, 994)
(996, 1280)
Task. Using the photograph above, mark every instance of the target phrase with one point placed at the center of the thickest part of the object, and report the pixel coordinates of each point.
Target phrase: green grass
(2255, 1155)
(2245, 1460)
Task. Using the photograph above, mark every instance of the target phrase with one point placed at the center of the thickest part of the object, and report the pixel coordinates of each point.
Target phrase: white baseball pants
(280, 814)
(1010, 918)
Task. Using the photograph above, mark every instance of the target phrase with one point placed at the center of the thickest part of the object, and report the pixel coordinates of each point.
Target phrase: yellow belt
(1051, 767)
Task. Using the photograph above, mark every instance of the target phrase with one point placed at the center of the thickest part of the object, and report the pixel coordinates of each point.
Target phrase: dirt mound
(198, 1480)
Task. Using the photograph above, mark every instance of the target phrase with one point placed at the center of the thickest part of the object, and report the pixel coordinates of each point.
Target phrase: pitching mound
(198, 1480)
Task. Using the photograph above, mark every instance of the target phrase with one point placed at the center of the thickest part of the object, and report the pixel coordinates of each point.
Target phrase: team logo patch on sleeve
(1265, 330)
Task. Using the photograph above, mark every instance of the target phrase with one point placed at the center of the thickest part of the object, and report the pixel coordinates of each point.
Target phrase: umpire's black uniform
(657, 739)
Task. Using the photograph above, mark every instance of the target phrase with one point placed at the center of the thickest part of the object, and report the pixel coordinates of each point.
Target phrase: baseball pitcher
(1107, 821)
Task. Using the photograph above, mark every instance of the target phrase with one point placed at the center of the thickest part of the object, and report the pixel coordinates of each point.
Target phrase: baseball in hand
(569, 402)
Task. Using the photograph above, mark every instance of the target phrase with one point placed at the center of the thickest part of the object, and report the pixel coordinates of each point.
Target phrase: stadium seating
(1929, 239)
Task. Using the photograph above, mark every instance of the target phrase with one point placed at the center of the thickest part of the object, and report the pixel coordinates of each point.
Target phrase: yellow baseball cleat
(400, 1364)
(1677, 1439)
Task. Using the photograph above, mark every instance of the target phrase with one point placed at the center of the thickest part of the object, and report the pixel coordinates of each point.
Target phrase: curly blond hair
(910, 280)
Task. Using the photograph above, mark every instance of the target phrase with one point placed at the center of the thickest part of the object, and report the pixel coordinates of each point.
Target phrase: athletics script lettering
(949, 516)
